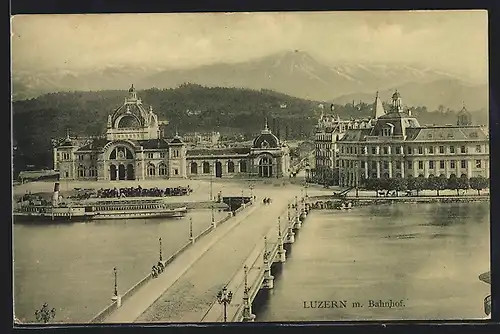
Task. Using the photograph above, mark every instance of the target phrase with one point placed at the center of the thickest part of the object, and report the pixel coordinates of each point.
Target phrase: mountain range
(294, 73)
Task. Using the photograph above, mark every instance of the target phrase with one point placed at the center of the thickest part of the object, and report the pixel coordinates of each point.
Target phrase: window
(151, 170)
(162, 170)
(81, 171)
(176, 171)
(478, 163)
(452, 149)
(431, 164)
(441, 164)
(408, 151)
(398, 150)
(431, 149)
(386, 132)
(363, 150)
(80, 156)
(230, 166)
(420, 165)
(206, 167)
(374, 164)
(363, 164)
(463, 149)
(341, 149)
(374, 150)
(420, 150)
(92, 172)
(151, 156)
(410, 164)
(162, 155)
(452, 164)
(441, 149)
(386, 150)
(398, 165)
(386, 164)
(478, 148)
(463, 164)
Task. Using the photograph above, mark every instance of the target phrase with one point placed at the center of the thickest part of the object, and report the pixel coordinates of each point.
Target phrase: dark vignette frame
(147, 6)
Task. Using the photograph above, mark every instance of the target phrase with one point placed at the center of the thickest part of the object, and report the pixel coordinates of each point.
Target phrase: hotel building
(398, 146)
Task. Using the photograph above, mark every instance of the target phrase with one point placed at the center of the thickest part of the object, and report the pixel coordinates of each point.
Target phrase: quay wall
(101, 316)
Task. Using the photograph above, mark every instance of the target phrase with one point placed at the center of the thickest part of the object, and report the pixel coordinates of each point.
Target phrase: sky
(454, 41)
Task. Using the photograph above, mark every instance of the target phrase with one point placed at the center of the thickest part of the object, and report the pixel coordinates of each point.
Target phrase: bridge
(237, 256)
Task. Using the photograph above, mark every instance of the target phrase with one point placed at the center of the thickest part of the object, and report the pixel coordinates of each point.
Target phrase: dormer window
(264, 144)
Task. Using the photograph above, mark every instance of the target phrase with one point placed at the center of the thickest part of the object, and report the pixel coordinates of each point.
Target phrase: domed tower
(132, 120)
(269, 157)
(397, 105)
(464, 118)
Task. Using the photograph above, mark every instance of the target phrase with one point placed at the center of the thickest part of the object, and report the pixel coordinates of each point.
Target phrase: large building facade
(398, 146)
(329, 131)
(133, 148)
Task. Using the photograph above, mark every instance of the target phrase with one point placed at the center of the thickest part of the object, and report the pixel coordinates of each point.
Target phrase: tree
(431, 183)
(463, 182)
(453, 183)
(419, 184)
(441, 183)
(398, 184)
(478, 183)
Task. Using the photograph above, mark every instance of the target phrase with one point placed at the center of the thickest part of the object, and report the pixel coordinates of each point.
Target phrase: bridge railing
(113, 306)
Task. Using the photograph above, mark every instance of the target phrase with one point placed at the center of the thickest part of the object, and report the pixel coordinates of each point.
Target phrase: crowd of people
(143, 192)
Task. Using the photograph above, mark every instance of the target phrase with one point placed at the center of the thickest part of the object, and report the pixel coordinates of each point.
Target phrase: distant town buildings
(135, 149)
(396, 145)
(199, 138)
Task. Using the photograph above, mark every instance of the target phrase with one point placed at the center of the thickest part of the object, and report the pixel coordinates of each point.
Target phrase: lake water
(425, 256)
(70, 266)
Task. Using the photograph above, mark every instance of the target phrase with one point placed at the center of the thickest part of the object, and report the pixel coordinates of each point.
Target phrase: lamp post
(161, 256)
(44, 314)
(224, 297)
(115, 273)
(251, 190)
(191, 229)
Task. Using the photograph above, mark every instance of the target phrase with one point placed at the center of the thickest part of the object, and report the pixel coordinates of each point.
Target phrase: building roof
(94, 145)
(218, 151)
(152, 144)
(398, 121)
(378, 108)
(355, 135)
(436, 133)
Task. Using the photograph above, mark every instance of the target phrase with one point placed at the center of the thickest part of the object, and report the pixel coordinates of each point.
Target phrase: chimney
(55, 195)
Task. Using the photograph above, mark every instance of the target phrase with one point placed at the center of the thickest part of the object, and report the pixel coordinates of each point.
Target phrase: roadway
(187, 288)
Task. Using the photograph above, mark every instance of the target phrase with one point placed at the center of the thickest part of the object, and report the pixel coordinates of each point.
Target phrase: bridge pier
(117, 299)
(247, 308)
(281, 255)
(290, 236)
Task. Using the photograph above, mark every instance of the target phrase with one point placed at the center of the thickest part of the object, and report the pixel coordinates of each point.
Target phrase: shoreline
(322, 202)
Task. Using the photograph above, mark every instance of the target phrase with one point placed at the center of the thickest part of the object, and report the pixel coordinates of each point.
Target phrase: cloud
(451, 40)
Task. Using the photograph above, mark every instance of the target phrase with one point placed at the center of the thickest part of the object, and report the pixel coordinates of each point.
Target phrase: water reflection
(69, 266)
(427, 255)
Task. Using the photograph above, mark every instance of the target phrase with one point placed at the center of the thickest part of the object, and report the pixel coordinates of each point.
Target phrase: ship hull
(179, 213)
(47, 218)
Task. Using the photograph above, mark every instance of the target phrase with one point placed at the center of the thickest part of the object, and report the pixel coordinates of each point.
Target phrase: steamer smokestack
(55, 195)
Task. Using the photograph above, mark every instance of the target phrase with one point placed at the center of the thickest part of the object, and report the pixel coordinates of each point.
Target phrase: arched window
(121, 153)
(206, 167)
(151, 169)
(243, 166)
(81, 171)
(92, 171)
(230, 166)
(265, 167)
(162, 169)
(194, 168)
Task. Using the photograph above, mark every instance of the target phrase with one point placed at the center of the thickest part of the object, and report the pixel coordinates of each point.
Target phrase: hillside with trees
(189, 107)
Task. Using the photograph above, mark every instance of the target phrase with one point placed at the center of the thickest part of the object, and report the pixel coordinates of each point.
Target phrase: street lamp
(116, 282)
(251, 190)
(190, 228)
(44, 314)
(161, 257)
(224, 297)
